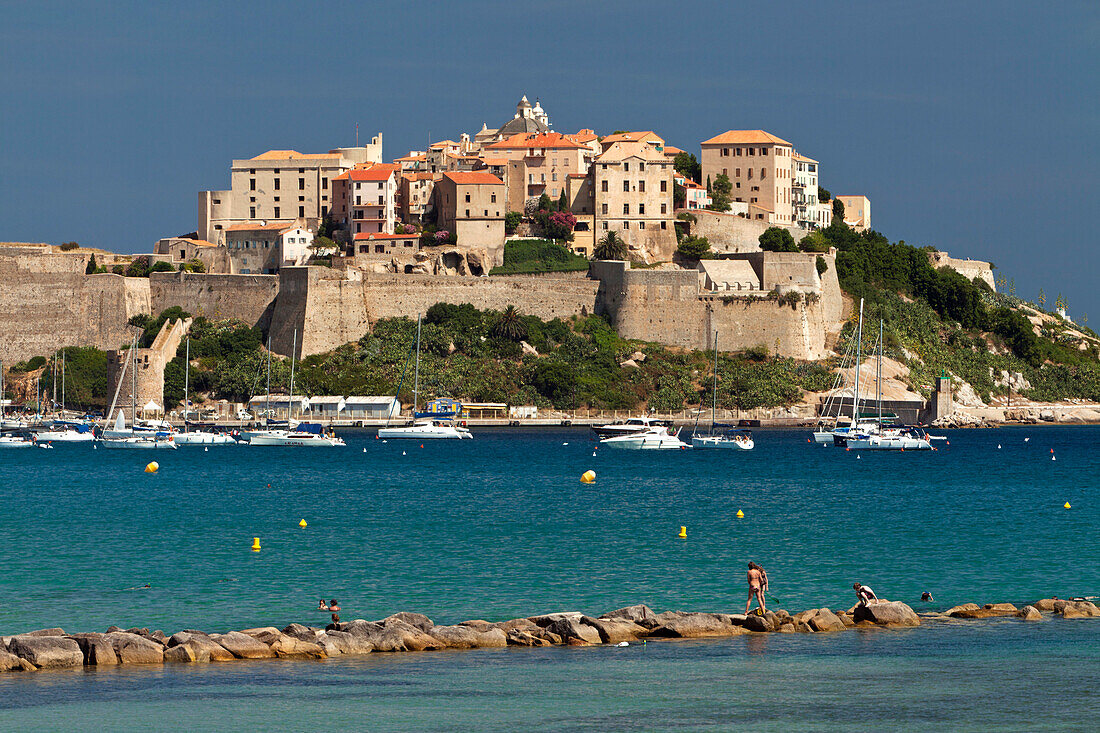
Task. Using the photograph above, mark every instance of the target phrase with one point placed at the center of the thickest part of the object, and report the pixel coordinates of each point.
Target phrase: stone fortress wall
(149, 365)
(968, 268)
(733, 233)
(248, 298)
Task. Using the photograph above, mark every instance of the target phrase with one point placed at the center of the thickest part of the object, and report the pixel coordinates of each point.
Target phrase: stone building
(367, 199)
(179, 250)
(538, 163)
(759, 166)
(471, 204)
(415, 195)
(857, 211)
(265, 247)
(633, 184)
(376, 246)
(279, 184)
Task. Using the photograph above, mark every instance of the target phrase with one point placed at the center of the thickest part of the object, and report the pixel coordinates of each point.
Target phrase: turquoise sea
(500, 527)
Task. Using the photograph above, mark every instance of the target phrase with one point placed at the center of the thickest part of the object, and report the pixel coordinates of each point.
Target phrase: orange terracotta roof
(745, 137)
(376, 172)
(411, 157)
(202, 243)
(671, 150)
(444, 144)
(382, 235)
(583, 136)
(261, 226)
(802, 158)
(294, 155)
(495, 161)
(625, 137)
(473, 178)
(522, 140)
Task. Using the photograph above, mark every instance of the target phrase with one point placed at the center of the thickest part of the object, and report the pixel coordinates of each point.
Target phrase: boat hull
(137, 444)
(712, 442)
(203, 438)
(64, 436)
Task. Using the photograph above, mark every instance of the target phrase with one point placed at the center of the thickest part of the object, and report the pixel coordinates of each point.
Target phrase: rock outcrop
(892, 614)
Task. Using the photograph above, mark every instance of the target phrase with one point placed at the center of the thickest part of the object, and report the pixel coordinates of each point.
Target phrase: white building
(328, 407)
(809, 212)
(371, 199)
(371, 408)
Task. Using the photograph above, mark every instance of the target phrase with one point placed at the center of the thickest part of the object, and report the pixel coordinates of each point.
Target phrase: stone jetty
(47, 649)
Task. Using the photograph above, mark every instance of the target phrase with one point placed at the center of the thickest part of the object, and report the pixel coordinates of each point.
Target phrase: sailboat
(10, 441)
(301, 435)
(424, 428)
(731, 439)
(898, 438)
(196, 437)
(118, 438)
(61, 430)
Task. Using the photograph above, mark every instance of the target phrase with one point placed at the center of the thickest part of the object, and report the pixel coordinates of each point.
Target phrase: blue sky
(973, 127)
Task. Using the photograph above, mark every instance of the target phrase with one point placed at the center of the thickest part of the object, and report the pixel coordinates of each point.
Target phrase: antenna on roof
(356, 134)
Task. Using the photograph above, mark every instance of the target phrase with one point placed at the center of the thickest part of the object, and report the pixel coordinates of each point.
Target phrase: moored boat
(656, 438)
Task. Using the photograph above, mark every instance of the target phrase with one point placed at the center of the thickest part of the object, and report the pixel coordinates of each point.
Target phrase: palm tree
(611, 247)
(510, 325)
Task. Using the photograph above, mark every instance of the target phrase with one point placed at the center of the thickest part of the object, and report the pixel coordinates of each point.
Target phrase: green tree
(323, 246)
(563, 201)
(509, 325)
(193, 265)
(611, 247)
(511, 221)
(1012, 287)
(161, 266)
(814, 242)
(138, 267)
(687, 166)
(838, 210)
(555, 380)
(823, 194)
(694, 248)
(545, 203)
(720, 193)
(822, 265)
(1042, 298)
(777, 239)
(91, 267)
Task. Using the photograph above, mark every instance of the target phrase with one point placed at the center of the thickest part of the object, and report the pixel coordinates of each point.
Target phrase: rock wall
(968, 268)
(732, 233)
(327, 309)
(249, 298)
(47, 302)
(150, 365)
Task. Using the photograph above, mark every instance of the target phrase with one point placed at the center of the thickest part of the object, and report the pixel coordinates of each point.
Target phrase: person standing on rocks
(758, 585)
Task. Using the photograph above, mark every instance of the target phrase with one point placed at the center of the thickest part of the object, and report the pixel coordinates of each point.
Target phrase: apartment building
(695, 194)
(264, 247)
(633, 184)
(857, 211)
(279, 184)
(809, 212)
(760, 168)
(367, 199)
(472, 204)
(416, 195)
(538, 163)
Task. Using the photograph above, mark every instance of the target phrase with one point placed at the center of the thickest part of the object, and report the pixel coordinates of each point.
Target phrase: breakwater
(52, 649)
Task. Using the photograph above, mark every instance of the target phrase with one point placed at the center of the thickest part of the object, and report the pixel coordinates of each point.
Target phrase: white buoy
(998, 446)
(364, 450)
(1026, 439)
(1054, 458)
(858, 457)
(565, 444)
(402, 452)
(593, 454)
(623, 643)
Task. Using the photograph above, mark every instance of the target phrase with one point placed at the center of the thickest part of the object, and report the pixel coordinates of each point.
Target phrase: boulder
(962, 607)
(47, 651)
(285, 646)
(678, 625)
(989, 610)
(135, 649)
(887, 613)
(394, 635)
(760, 623)
(1070, 611)
(571, 630)
(300, 631)
(1088, 608)
(520, 637)
(349, 643)
(467, 637)
(640, 614)
(417, 620)
(11, 663)
(616, 630)
(1029, 613)
(825, 620)
(1046, 605)
(186, 653)
(243, 646)
(45, 632)
(97, 650)
(547, 619)
(211, 649)
(481, 625)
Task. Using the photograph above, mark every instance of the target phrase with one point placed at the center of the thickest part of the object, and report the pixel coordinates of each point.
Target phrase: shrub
(511, 221)
(694, 248)
(777, 239)
(822, 265)
(69, 246)
(538, 255)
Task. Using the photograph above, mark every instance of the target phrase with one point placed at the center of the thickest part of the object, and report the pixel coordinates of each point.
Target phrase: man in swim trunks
(758, 585)
(864, 594)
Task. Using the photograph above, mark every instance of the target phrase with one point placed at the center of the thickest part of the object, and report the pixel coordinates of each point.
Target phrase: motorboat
(427, 429)
(731, 440)
(158, 441)
(424, 426)
(305, 435)
(656, 437)
(15, 441)
(631, 426)
(65, 433)
(203, 437)
(897, 438)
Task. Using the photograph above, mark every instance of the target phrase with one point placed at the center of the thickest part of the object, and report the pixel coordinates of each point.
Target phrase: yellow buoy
(153, 467)
(740, 514)
(302, 524)
(1066, 505)
(255, 544)
(588, 477)
(683, 532)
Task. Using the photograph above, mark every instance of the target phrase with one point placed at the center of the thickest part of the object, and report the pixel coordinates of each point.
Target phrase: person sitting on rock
(334, 606)
(758, 585)
(864, 594)
(321, 605)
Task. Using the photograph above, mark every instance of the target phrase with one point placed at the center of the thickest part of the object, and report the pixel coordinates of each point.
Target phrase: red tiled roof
(537, 140)
(745, 137)
(376, 172)
(473, 178)
(382, 235)
(257, 226)
(293, 155)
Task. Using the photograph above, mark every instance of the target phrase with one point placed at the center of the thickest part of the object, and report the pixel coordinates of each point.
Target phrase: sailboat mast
(133, 393)
(53, 402)
(186, 377)
(714, 391)
(859, 354)
(267, 408)
(63, 382)
(879, 376)
(293, 350)
(416, 373)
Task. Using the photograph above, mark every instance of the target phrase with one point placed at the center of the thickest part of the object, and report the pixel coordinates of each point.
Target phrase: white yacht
(424, 427)
(196, 437)
(306, 435)
(720, 436)
(631, 426)
(65, 433)
(15, 441)
(655, 438)
(160, 441)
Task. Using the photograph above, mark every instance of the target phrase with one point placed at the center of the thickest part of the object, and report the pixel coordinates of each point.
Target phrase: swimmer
(321, 605)
(926, 596)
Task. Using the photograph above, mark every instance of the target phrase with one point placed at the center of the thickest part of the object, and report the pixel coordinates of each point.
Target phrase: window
(738, 151)
(381, 200)
(763, 173)
(252, 199)
(467, 213)
(467, 198)
(641, 167)
(251, 171)
(493, 199)
(358, 185)
(358, 200)
(641, 225)
(663, 225)
(276, 198)
(736, 172)
(603, 185)
(277, 184)
(324, 183)
(301, 211)
(301, 184)
(301, 198)
(664, 208)
(553, 175)
(276, 212)
(251, 212)
(738, 184)
(486, 214)
(641, 209)
(725, 152)
(380, 249)
(530, 177)
(324, 211)
(751, 151)
(251, 184)
(750, 174)
(604, 210)
(626, 225)
(641, 186)
(626, 209)
(664, 186)
(217, 201)
(605, 226)
(626, 186)
(626, 166)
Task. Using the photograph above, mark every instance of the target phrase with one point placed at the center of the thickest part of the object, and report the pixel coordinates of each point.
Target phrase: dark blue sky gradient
(972, 127)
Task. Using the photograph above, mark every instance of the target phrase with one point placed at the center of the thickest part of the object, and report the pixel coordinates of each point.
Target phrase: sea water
(501, 526)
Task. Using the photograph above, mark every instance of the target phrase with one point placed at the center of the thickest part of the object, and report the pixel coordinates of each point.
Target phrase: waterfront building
(759, 167)
(857, 211)
(328, 407)
(471, 204)
(279, 185)
(264, 247)
(632, 183)
(371, 408)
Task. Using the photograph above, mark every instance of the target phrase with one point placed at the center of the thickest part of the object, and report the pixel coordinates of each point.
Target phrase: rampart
(148, 364)
(248, 298)
(967, 268)
(733, 233)
(327, 310)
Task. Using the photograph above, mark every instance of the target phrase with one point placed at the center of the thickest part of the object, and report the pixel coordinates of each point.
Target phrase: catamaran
(423, 427)
(729, 438)
(196, 437)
